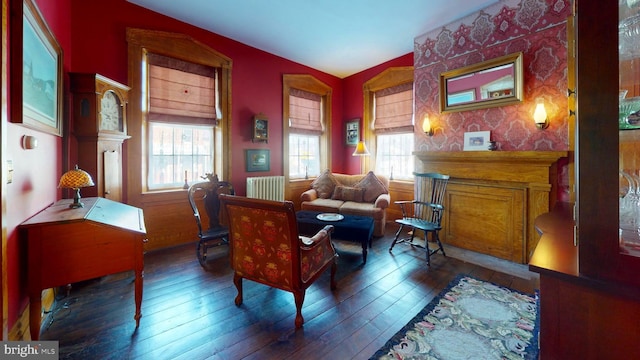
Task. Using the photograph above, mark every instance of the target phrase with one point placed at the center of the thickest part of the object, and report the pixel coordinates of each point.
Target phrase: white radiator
(266, 187)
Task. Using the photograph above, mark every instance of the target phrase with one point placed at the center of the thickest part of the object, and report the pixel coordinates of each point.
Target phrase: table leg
(35, 303)
(365, 243)
(138, 295)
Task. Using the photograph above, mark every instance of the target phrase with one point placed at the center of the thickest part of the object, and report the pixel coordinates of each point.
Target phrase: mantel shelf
(518, 166)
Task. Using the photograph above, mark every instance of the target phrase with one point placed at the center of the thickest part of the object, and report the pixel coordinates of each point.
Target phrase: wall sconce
(426, 126)
(29, 142)
(76, 179)
(540, 116)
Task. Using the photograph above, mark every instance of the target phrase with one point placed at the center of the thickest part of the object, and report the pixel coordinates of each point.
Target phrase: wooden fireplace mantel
(493, 198)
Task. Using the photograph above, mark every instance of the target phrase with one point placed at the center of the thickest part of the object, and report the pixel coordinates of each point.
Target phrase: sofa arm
(383, 201)
(309, 195)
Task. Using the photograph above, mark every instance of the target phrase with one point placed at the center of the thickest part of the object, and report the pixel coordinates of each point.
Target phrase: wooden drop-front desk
(68, 245)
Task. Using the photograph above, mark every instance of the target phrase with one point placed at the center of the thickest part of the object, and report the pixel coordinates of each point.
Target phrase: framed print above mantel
(477, 140)
(36, 98)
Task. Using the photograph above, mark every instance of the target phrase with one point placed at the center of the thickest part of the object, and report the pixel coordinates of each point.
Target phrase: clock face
(110, 112)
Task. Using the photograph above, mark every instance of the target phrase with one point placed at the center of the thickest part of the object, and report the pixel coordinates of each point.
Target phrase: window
(304, 155)
(307, 103)
(169, 136)
(179, 152)
(305, 130)
(394, 155)
(183, 111)
(389, 123)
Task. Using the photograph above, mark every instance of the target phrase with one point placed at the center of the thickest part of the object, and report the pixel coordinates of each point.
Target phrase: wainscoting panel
(493, 198)
(492, 216)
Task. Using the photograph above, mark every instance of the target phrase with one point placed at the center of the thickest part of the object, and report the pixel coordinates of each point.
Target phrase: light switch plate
(9, 171)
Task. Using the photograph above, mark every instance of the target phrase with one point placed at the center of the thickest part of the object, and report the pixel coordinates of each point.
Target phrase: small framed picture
(352, 132)
(477, 140)
(260, 128)
(257, 160)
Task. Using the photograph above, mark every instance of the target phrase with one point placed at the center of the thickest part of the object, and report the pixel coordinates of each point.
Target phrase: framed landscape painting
(257, 160)
(37, 97)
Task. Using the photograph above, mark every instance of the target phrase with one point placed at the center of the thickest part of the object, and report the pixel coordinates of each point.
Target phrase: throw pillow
(372, 186)
(324, 184)
(347, 193)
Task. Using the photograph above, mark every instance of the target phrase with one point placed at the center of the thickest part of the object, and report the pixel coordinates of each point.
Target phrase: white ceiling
(339, 37)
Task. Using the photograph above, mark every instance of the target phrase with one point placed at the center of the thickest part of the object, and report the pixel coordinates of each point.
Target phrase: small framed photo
(260, 128)
(352, 132)
(477, 140)
(257, 160)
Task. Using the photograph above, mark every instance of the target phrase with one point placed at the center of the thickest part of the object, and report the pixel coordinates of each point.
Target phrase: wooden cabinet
(100, 127)
(589, 283)
(67, 245)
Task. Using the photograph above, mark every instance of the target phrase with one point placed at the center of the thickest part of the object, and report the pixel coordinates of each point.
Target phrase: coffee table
(351, 228)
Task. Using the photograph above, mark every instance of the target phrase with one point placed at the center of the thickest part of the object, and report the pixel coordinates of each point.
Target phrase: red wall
(36, 172)
(99, 45)
(353, 106)
(92, 35)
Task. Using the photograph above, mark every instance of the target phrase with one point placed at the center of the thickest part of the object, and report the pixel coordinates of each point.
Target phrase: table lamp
(76, 179)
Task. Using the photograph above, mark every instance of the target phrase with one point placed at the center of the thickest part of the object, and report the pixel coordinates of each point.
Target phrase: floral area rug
(470, 319)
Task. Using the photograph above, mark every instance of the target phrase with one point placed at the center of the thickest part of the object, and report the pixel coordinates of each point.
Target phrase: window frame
(310, 84)
(390, 77)
(185, 48)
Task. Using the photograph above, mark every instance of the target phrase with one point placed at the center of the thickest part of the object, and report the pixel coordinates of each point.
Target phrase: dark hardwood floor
(188, 311)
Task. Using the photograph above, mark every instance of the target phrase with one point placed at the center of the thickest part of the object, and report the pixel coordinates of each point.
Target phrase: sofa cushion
(361, 209)
(324, 184)
(323, 205)
(373, 187)
(348, 193)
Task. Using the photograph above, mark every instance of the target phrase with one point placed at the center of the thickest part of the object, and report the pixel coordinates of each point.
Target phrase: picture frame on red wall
(37, 96)
(352, 132)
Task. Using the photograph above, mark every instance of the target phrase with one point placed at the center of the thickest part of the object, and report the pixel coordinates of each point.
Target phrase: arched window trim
(393, 76)
(182, 47)
(310, 84)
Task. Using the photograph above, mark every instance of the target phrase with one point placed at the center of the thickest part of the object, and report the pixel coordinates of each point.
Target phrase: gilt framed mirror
(495, 82)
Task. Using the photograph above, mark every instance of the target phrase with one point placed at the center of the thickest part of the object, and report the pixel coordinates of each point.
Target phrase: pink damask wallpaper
(535, 27)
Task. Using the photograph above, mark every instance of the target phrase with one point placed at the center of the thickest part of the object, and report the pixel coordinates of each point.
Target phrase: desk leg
(35, 303)
(138, 295)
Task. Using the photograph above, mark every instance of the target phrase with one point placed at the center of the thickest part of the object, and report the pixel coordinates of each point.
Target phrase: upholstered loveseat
(361, 194)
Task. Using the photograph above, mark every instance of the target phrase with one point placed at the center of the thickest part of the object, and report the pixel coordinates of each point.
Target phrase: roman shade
(180, 90)
(305, 112)
(393, 109)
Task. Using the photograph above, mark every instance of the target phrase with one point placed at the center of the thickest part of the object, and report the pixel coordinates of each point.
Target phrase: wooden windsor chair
(424, 212)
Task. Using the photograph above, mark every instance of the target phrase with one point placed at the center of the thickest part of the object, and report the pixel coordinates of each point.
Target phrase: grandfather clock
(100, 127)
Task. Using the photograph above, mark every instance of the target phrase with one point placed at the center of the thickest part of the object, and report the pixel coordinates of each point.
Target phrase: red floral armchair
(265, 247)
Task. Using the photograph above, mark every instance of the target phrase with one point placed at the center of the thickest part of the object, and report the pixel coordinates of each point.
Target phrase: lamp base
(76, 200)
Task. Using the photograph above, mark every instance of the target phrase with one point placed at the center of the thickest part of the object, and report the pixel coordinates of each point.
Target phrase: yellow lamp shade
(361, 149)
(76, 179)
